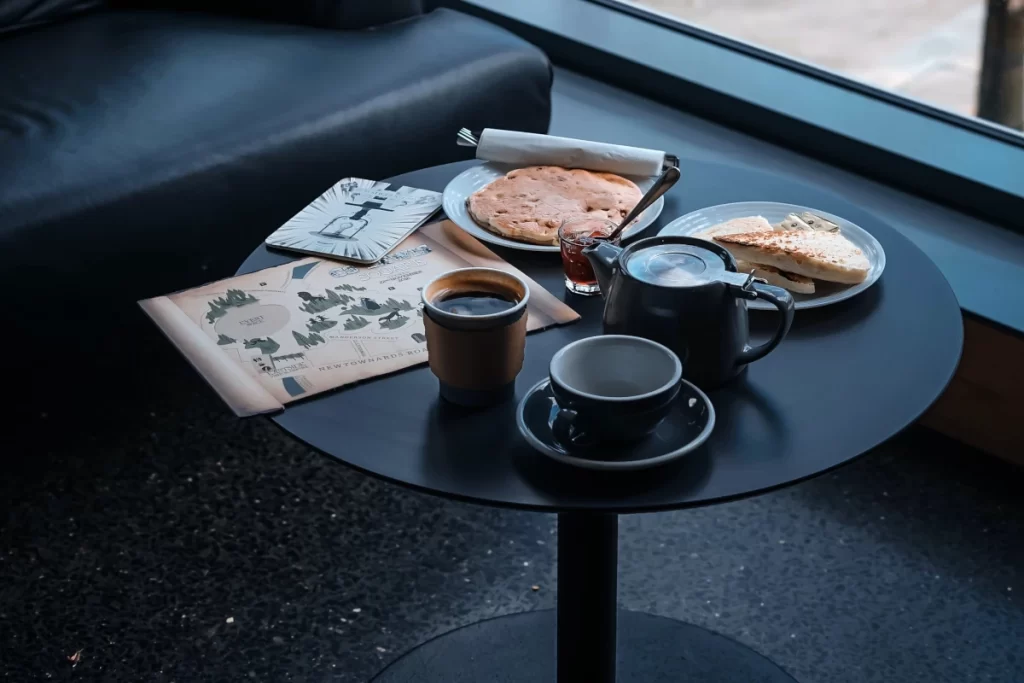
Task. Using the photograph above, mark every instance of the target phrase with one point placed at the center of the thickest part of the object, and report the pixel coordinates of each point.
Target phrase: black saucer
(687, 426)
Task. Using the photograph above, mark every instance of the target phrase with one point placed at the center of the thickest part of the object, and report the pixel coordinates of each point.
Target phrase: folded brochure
(281, 334)
(357, 220)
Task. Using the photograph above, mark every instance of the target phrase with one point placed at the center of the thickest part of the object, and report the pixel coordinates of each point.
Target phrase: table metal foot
(520, 648)
(595, 642)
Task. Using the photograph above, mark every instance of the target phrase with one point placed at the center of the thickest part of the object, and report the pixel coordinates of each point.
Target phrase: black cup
(612, 388)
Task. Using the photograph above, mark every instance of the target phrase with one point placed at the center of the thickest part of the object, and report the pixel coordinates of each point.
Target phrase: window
(964, 56)
(961, 161)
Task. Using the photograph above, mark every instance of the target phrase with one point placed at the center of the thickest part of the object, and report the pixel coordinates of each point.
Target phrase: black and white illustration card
(357, 220)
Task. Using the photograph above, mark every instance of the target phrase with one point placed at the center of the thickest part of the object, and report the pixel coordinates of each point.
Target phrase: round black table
(847, 378)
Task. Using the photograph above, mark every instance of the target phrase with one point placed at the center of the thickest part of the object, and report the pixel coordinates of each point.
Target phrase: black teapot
(685, 293)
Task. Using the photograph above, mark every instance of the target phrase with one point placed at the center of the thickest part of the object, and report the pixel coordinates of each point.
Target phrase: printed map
(277, 335)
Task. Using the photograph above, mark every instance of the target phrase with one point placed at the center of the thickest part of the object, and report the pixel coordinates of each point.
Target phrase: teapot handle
(783, 301)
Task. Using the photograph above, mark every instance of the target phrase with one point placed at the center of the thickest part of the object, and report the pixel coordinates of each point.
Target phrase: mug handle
(783, 301)
(562, 429)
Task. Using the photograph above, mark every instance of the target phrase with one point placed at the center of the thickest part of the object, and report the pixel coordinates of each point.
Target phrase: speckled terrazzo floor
(191, 546)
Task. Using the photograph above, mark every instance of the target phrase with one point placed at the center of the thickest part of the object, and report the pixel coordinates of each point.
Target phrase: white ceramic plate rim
(605, 465)
(475, 177)
(851, 230)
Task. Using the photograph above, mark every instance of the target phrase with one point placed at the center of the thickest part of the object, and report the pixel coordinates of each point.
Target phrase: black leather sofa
(146, 148)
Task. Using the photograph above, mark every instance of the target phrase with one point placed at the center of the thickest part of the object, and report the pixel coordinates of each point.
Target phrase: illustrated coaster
(356, 220)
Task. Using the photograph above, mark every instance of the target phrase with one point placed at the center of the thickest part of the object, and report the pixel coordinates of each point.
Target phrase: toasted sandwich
(745, 224)
(817, 254)
(779, 278)
(774, 276)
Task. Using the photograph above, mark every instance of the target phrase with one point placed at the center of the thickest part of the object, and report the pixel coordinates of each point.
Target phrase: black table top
(847, 378)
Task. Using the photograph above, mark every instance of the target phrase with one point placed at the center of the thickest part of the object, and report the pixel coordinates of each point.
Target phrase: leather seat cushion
(17, 14)
(156, 149)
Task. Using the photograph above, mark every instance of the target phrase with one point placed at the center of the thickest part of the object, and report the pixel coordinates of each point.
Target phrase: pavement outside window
(930, 50)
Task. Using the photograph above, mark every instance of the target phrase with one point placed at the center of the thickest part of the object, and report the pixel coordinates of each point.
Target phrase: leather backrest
(16, 14)
(336, 14)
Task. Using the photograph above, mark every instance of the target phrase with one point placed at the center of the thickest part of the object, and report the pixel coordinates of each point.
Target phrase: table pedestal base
(520, 648)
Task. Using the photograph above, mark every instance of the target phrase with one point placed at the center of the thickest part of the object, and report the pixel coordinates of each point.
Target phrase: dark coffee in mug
(473, 303)
(475, 322)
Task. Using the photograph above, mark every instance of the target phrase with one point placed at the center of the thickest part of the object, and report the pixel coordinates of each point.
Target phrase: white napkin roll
(533, 149)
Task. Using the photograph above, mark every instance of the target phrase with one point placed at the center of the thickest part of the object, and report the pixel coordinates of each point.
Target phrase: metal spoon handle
(662, 185)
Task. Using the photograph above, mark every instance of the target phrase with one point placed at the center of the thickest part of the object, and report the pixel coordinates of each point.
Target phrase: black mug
(612, 388)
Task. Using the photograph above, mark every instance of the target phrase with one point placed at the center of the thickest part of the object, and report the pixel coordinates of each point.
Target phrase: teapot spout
(602, 257)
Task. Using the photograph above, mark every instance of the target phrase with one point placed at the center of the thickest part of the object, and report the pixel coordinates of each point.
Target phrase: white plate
(825, 292)
(472, 179)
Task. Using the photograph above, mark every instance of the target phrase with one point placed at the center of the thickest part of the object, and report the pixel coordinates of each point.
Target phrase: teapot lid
(676, 265)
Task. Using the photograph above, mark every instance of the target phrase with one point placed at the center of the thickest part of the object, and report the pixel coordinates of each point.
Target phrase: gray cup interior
(615, 367)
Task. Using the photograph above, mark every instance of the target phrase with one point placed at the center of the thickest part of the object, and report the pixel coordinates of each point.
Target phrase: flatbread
(735, 225)
(529, 204)
(779, 278)
(816, 254)
(774, 276)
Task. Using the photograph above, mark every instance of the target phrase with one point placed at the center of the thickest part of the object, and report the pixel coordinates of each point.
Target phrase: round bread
(529, 204)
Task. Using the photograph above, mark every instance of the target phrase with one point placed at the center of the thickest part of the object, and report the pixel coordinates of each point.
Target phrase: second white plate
(472, 179)
(826, 292)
